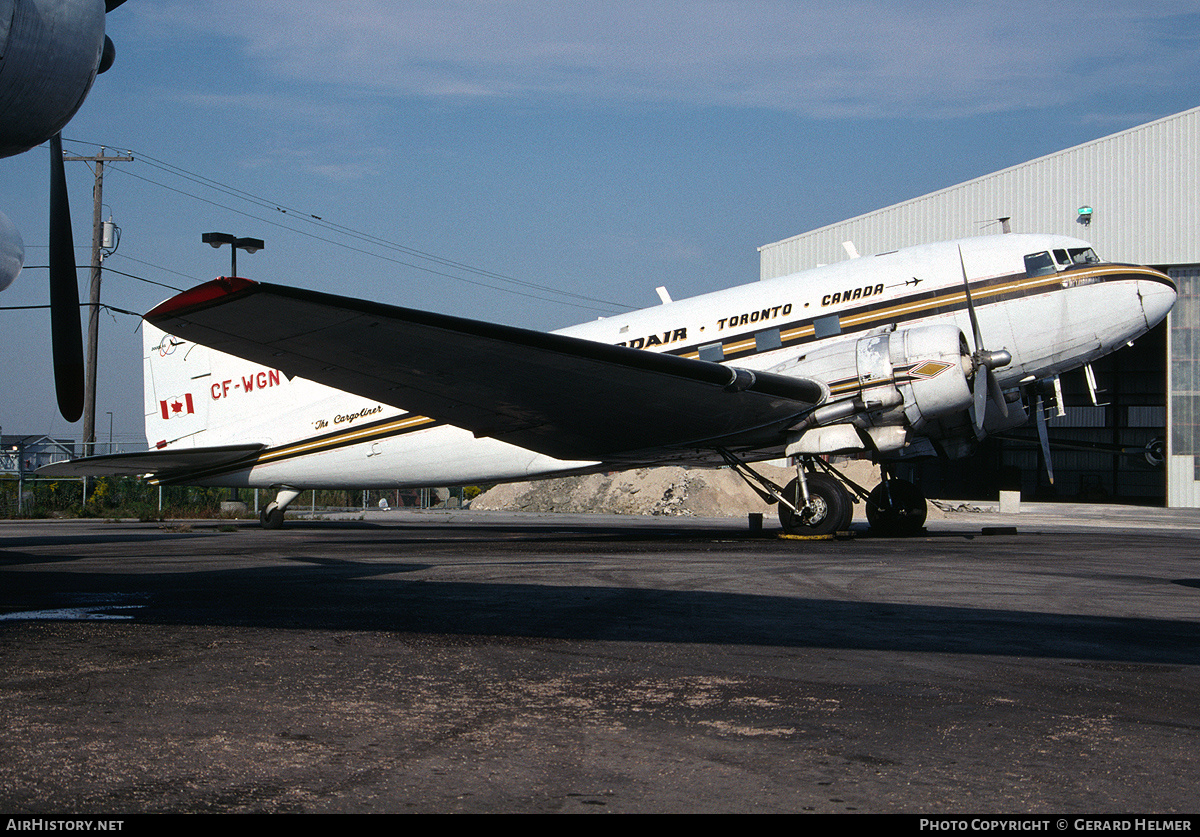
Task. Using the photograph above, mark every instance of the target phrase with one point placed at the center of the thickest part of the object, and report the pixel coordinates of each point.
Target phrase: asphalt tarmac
(490, 662)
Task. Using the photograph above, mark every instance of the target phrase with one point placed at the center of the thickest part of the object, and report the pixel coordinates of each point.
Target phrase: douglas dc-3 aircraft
(918, 352)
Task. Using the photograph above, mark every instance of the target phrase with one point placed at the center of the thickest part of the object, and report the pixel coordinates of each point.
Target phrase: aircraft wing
(562, 396)
(162, 463)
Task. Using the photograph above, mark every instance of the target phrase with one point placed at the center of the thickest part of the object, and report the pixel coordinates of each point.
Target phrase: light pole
(110, 450)
(250, 245)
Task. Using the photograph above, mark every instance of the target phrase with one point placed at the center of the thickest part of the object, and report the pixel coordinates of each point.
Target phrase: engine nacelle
(51, 51)
(931, 365)
(881, 386)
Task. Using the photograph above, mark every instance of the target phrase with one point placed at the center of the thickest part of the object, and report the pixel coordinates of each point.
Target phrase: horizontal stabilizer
(167, 463)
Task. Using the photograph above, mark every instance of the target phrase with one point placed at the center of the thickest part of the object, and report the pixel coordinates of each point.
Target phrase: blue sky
(590, 149)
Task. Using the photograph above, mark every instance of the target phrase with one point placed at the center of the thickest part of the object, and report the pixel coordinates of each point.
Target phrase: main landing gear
(271, 517)
(820, 500)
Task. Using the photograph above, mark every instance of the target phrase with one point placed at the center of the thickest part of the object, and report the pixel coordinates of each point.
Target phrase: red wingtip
(200, 296)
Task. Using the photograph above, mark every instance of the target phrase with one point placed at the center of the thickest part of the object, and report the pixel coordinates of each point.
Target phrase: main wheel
(829, 509)
(896, 508)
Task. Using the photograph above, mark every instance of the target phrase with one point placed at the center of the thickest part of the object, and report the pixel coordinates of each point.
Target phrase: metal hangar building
(1135, 196)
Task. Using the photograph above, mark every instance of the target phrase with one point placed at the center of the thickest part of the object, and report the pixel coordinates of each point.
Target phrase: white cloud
(860, 58)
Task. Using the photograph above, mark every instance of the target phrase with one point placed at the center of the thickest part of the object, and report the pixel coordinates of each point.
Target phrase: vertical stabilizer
(176, 375)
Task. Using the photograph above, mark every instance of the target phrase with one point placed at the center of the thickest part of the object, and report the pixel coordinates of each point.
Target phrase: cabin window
(765, 341)
(1039, 264)
(714, 352)
(827, 326)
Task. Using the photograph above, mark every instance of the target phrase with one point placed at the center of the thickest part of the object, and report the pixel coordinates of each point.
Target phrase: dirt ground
(669, 490)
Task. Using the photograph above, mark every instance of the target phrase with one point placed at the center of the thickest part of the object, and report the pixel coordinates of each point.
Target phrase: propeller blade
(978, 335)
(978, 388)
(66, 335)
(984, 362)
(997, 394)
(1044, 439)
(979, 406)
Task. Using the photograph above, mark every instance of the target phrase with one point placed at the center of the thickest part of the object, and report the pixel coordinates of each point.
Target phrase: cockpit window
(1039, 264)
(1062, 257)
(1084, 255)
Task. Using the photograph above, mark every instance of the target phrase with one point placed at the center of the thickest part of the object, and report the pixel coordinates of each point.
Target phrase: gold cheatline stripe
(952, 297)
(329, 443)
(981, 293)
(343, 439)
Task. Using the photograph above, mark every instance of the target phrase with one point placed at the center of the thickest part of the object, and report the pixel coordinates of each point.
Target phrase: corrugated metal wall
(1141, 183)
(1183, 392)
(1144, 187)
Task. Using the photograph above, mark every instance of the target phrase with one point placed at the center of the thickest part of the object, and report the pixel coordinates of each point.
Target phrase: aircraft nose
(1158, 295)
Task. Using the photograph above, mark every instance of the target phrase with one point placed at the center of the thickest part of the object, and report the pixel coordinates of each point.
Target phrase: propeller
(66, 335)
(47, 71)
(1044, 438)
(983, 362)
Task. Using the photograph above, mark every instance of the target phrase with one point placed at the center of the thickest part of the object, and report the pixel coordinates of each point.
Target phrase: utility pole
(89, 392)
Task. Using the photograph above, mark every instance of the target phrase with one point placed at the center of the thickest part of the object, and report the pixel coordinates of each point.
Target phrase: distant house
(23, 454)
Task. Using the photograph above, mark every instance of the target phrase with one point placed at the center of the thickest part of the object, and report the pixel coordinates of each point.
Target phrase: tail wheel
(271, 517)
(829, 508)
(896, 508)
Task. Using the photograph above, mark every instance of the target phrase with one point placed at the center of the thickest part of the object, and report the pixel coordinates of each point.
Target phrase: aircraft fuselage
(1044, 299)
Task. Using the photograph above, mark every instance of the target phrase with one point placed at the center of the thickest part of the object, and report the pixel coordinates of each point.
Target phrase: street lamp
(250, 245)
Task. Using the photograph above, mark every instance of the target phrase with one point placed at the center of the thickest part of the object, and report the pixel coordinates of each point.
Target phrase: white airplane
(916, 352)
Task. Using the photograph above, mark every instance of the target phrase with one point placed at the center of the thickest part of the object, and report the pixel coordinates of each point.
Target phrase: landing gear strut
(271, 517)
(811, 504)
(819, 502)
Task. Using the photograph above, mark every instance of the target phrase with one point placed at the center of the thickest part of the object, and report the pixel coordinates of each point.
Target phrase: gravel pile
(668, 490)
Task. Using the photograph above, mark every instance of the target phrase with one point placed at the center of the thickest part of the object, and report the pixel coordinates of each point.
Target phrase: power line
(312, 219)
(122, 273)
(401, 262)
(101, 305)
(142, 279)
(128, 257)
(319, 221)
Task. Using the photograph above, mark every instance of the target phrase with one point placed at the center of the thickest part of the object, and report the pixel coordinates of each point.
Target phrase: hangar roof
(1143, 186)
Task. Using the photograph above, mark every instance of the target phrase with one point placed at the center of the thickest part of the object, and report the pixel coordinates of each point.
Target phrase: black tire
(900, 509)
(271, 517)
(830, 509)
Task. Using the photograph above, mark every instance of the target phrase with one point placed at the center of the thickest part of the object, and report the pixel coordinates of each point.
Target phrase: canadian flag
(176, 406)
